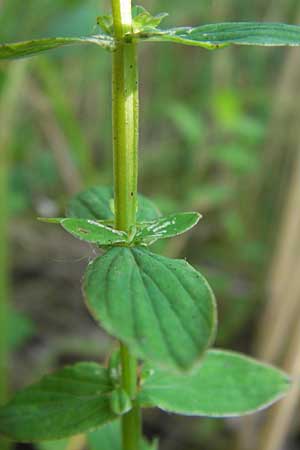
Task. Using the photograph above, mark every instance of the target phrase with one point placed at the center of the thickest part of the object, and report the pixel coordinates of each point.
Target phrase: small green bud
(114, 366)
(120, 402)
(106, 23)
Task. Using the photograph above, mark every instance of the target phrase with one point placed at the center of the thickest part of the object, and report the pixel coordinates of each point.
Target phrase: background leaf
(62, 444)
(217, 35)
(21, 328)
(30, 48)
(162, 308)
(70, 401)
(95, 203)
(108, 437)
(227, 384)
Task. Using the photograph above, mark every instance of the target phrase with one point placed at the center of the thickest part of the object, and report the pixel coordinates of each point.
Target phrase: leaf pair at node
(146, 233)
(142, 21)
(77, 399)
(145, 29)
(163, 309)
(92, 220)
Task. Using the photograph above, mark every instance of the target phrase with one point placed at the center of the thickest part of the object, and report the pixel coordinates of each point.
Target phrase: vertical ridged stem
(125, 148)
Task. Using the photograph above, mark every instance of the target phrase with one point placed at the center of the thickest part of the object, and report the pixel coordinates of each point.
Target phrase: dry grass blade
(57, 141)
(282, 415)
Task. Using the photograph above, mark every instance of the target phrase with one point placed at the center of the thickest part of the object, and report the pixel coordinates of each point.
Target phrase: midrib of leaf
(165, 340)
(171, 307)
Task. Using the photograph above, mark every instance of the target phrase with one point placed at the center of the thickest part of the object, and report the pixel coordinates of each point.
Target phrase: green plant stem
(125, 146)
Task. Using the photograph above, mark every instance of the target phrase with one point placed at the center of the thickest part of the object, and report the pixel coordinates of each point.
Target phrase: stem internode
(125, 148)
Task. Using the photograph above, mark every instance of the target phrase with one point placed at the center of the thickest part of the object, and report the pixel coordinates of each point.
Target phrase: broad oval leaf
(95, 203)
(29, 48)
(93, 232)
(218, 35)
(227, 384)
(166, 227)
(109, 437)
(71, 401)
(163, 309)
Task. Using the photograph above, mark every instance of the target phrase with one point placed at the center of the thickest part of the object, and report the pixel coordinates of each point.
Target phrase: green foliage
(29, 48)
(97, 232)
(220, 35)
(71, 401)
(20, 329)
(162, 308)
(143, 21)
(62, 444)
(165, 227)
(120, 402)
(211, 36)
(227, 384)
(96, 203)
(108, 437)
(91, 231)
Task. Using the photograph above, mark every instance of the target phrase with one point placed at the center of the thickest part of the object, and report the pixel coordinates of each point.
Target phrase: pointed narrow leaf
(227, 384)
(162, 308)
(93, 232)
(71, 401)
(166, 227)
(108, 437)
(28, 48)
(220, 35)
(95, 203)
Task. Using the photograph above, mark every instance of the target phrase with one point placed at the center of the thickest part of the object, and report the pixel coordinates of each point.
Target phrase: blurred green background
(219, 134)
